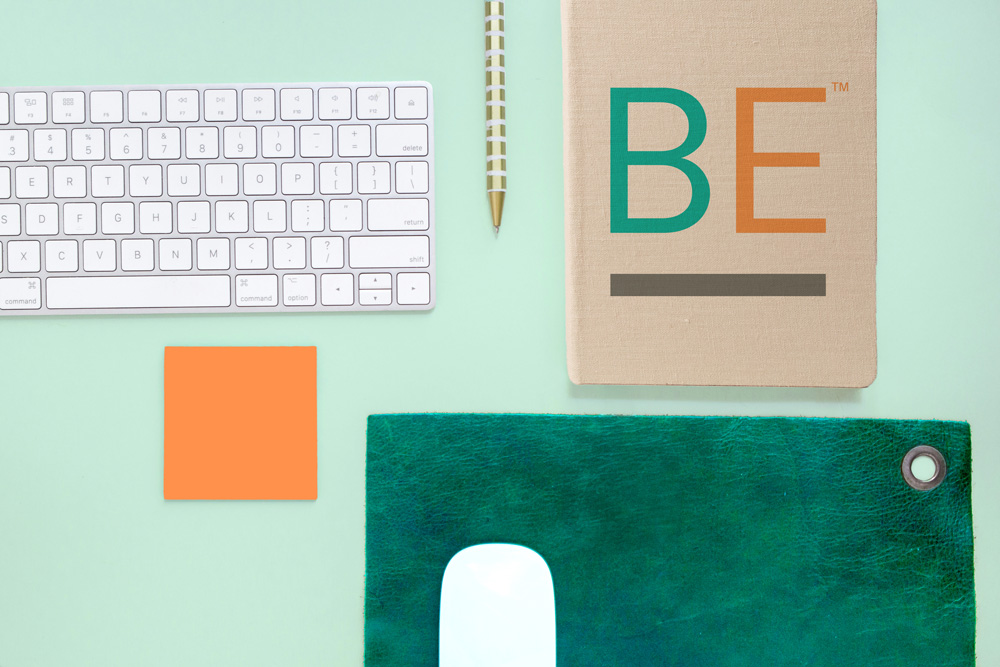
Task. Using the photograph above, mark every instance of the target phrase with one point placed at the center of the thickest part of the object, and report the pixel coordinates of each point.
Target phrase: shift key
(387, 252)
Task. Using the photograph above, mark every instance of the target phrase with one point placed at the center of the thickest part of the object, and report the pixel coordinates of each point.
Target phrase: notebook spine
(573, 159)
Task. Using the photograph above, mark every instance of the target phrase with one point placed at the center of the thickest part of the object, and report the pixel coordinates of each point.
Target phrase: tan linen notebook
(720, 191)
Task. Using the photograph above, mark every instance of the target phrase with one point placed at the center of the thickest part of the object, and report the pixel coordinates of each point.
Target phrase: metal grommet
(939, 473)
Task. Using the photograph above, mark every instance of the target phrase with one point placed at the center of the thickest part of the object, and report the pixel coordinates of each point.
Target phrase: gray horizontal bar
(718, 284)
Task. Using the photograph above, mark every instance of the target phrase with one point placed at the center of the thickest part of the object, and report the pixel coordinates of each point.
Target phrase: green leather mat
(679, 540)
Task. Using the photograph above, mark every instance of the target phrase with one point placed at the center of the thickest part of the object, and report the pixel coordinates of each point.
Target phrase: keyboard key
(61, 256)
(384, 252)
(316, 141)
(260, 179)
(175, 254)
(269, 216)
(220, 105)
(277, 141)
(327, 252)
(4, 108)
(31, 182)
(258, 291)
(375, 297)
(251, 253)
(88, 144)
(411, 178)
(398, 215)
(375, 281)
(69, 107)
(14, 145)
(222, 180)
(335, 178)
(118, 218)
(231, 216)
(299, 289)
(137, 255)
(239, 142)
(155, 217)
(373, 103)
(41, 219)
(106, 106)
(99, 256)
(373, 178)
(24, 256)
(296, 104)
(258, 104)
(50, 145)
(213, 254)
(10, 219)
(94, 292)
(107, 180)
(290, 252)
(80, 218)
(307, 215)
(337, 289)
(145, 180)
(345, 215)
(297, 178)
(144, 106)
(194, 217)
(126, 144)
(69, 181)
(354, 140)
(164, 143)
(20, 294)
(30, 109)
(400, 140)
(4, 182)
(202, 143)
(183, 180)
(334, 103)
(182, 106)
(411, 103)
(413, 289)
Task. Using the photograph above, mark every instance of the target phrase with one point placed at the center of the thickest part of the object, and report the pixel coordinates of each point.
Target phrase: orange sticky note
(239, 423)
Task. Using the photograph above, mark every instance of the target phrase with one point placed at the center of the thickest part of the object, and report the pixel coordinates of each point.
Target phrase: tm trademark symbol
(840, 86)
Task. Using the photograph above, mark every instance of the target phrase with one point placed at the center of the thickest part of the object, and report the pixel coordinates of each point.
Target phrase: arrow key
(375, 297)
(413, 289)
(337, 289)
(375, 281)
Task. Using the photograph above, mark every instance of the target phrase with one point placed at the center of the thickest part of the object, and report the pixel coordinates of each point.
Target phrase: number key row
(202, 143)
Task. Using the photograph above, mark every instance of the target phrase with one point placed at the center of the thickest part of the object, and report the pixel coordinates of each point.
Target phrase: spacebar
(137, 292)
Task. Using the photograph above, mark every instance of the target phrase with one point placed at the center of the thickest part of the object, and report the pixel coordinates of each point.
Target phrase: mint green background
(96, 569)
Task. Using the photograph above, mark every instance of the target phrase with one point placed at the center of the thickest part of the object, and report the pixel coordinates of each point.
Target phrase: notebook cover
(720, 191)
(676, 541)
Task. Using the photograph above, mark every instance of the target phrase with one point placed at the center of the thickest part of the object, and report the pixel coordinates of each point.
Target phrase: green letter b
(622, 158)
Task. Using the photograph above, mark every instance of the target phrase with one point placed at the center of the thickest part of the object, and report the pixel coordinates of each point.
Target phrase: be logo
(747, 159)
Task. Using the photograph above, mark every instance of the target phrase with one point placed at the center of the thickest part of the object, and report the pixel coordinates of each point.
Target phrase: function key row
(222, 105)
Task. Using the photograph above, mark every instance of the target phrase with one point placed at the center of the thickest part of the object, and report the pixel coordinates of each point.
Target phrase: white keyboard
(217, 198)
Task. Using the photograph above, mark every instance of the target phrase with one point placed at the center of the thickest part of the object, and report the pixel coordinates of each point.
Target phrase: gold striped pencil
(496, 124)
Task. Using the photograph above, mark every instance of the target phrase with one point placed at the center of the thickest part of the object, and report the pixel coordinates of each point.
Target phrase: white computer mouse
(498, 609)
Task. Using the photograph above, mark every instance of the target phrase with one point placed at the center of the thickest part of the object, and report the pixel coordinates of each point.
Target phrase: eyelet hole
(924, 468)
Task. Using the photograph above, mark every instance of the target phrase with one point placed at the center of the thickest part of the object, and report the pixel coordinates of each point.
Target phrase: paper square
(239, 423)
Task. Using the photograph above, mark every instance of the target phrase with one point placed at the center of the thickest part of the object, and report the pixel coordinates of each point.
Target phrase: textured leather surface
(681, 541)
